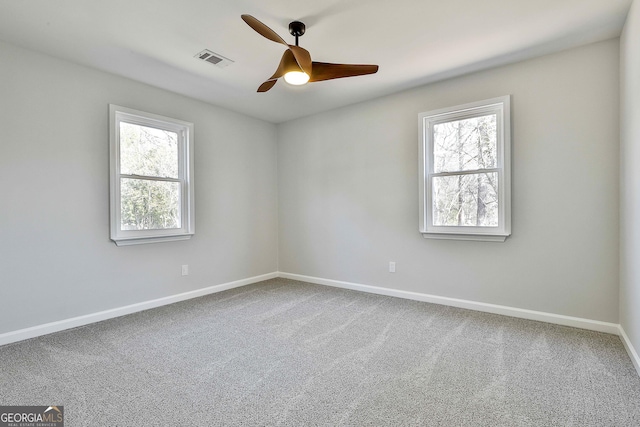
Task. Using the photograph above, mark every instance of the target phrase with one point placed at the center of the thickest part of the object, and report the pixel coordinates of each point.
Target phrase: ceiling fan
(296, 66)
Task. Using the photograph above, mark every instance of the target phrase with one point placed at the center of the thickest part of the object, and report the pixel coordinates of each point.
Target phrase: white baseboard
(558, 319)
(74, 322)
(630, 350)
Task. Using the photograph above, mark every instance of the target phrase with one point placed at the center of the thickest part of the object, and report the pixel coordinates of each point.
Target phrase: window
(151, 169)
(465, 188)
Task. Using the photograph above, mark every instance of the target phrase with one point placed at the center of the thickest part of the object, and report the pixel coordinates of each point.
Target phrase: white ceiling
(414, 42)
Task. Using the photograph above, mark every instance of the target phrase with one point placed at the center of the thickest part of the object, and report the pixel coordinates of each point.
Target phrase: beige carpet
(288, 353)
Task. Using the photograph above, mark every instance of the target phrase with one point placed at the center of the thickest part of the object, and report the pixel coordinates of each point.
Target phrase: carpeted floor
(289, 353)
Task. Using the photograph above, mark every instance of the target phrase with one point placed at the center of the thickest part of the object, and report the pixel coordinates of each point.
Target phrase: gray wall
(630, 177)
(56, 259)
(348, 191)
(344, 183)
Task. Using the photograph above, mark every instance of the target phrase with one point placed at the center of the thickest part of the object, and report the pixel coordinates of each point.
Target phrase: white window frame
(184, 130)
(501, 106)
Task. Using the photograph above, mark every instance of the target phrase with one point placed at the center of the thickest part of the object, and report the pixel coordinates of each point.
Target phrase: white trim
(185, 179)
(456, 236)
(139, 241)
(501, 107)
(630, 350)
(74, 322)
(558, 319)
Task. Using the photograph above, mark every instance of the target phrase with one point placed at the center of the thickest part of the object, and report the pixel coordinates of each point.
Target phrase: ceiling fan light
(296, 78)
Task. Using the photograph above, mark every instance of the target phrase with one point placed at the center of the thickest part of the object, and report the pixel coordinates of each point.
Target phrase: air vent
(214, 58)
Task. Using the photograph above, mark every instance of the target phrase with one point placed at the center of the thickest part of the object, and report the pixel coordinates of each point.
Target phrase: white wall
(56, 259)
(630, 177)
(348, 191)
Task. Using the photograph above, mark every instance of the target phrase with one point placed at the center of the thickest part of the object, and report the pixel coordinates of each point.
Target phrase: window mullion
(150, 178)
(469, 172)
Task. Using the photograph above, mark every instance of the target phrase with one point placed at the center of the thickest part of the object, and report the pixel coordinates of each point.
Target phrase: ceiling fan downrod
(296, 29)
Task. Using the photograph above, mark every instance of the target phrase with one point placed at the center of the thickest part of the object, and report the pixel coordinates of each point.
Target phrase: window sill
(157, 239)
(473, 237)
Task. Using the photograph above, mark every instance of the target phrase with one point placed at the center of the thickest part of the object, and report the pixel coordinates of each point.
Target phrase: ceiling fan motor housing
(296, 28)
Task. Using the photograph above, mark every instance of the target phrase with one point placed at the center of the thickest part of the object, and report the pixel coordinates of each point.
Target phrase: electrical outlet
(185, 270)
(392, 266)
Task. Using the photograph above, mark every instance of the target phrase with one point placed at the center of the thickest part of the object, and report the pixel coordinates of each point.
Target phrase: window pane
(466, 200)
(467, 144)
(148, 151)
(149, 205)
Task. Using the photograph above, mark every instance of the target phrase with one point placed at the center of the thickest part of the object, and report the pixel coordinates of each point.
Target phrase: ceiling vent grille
(214, 58)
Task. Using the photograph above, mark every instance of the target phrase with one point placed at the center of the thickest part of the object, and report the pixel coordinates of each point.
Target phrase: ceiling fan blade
(267, 85)
(328, 71)
(262, 29)
(287, 62)
(303, 58)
